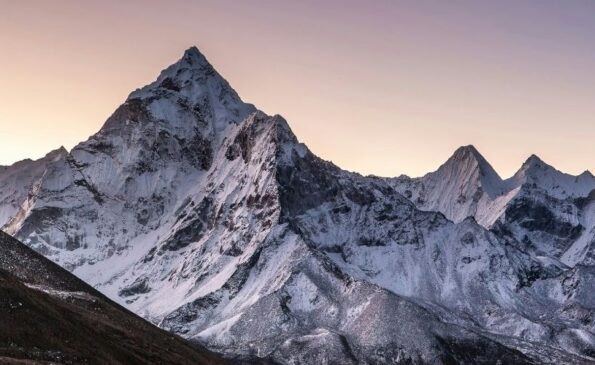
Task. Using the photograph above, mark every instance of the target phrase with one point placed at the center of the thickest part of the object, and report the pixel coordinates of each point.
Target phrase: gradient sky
(384, 87)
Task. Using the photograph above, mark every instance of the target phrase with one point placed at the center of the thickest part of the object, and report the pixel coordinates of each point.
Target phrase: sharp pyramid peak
(194, 81)
(192, 64)
(533, 164)
(192, 68)
(469, 156)
(468, 149)
(467, 152)
(533, 160)
(467, 161)
(193, 57)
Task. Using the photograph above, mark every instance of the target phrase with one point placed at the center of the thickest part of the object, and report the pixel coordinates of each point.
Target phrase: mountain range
(207, 217)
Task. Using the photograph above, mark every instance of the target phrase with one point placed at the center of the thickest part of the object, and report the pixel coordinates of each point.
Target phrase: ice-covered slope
(17, 181)
(209, 218)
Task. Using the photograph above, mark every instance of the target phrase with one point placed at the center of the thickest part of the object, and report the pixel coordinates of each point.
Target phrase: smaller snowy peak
(537, 173)
(466, 185)
(470, 155)
(534, 163)
(467, 163)
(468, 151)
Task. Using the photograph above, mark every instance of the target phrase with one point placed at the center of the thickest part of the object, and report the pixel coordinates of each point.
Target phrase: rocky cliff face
(209, 218)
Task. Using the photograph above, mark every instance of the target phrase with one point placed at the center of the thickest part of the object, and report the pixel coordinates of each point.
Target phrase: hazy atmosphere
(383, 87)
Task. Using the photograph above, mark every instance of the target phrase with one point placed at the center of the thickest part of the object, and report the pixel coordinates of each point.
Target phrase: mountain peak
(559, 184)
(192, 51)
(466, 162)
(193, 57)
(469, 157)
(193, 65)
(534, 160)
(188, 89)
(468, 151)
(533, 165)
(190, 74)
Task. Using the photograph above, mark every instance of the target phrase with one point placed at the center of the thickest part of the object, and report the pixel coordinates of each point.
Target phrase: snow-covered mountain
(548, 212)
(465, 185)
(209, 218)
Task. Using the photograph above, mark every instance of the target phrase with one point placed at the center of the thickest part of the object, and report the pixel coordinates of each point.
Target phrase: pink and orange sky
(384, 87)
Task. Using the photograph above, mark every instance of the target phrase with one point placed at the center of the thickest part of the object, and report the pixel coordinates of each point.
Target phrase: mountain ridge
(210, 218)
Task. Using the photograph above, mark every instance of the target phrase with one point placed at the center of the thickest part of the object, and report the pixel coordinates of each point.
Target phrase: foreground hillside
(50, 316)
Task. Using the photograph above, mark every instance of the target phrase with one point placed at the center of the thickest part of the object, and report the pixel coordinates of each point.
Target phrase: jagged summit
(470, 153)
(535, 165)
(187, 96)
(467, 150)
(533, 162)
(536, 172)
(533, 159)
(194, 57)
(192, 65)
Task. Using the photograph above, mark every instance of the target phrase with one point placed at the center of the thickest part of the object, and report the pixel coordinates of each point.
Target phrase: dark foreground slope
(50, 316)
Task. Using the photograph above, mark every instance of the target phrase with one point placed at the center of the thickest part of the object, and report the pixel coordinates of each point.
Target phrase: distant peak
(534, 160)
(534, 163)
(469, 153)
(534, 167)
(466, 160)
(468, 150)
